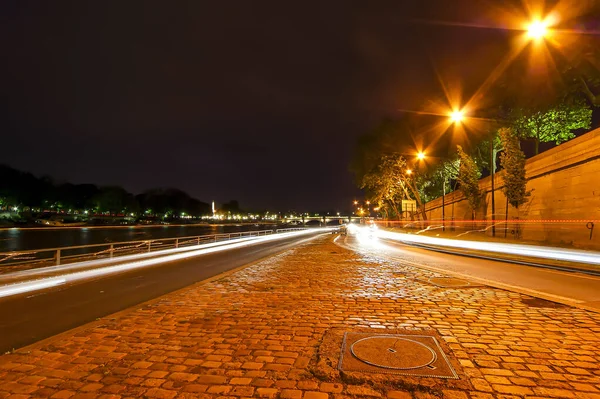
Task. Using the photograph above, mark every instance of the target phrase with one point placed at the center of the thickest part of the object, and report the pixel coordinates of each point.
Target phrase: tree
(115, 200)
(171, 201)
(382, 182)
(512, 160)
(555, 123)
(430, 182)
(388, 182)
(468, 178)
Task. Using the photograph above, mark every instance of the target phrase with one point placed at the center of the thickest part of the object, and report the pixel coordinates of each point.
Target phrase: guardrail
(37, 258)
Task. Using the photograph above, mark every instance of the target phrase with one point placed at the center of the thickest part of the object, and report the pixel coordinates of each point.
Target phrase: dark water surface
(23, 239)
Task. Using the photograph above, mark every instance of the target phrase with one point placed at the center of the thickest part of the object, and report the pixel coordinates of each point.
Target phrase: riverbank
(135, 226)
(21, 239)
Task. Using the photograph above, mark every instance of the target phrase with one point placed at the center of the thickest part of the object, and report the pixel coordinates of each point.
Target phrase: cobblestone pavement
(273, 330)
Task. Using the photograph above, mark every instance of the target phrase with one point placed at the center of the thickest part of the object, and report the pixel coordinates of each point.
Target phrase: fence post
(57, 257)
(177, 243)
(112, 248)
(198, 240)
(149, 245)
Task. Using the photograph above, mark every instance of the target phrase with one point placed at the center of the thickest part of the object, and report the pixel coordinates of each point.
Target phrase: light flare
(537, 30)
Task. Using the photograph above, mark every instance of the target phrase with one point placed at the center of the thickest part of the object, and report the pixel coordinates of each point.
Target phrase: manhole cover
(407, 354)
(450, 282)
(393, 353)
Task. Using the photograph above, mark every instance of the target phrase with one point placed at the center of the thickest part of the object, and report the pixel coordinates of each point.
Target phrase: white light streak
(126, 258)
(28, 286)
(552, 253)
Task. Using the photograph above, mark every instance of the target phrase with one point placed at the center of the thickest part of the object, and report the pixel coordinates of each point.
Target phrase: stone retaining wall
(566, 186)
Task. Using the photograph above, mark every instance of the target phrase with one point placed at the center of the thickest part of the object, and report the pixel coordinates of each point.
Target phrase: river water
(22, 239)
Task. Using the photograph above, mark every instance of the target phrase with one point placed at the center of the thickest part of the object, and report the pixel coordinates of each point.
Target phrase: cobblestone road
(272, 329)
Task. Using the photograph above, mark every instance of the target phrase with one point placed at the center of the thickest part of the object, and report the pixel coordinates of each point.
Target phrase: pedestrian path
(275, 329)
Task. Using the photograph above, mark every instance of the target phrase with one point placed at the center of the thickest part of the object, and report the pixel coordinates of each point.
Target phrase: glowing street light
(408, 171)
(537, 30)
(456, 116)
(420, 155)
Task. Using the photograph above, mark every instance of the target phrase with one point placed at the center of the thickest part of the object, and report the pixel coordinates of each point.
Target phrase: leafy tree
(481, 152)
(388, 182)
(555, 123)
(382, 183)
(512, 160)
(430, 182)
(171, 201)
(115, 199)
(580, 66)
(468, 178)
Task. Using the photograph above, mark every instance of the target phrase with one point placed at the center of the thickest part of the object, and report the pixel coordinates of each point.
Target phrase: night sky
(259, 101)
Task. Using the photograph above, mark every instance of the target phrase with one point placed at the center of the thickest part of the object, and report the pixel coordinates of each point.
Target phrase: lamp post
(457, 117)
(492, 173)
(421, 156)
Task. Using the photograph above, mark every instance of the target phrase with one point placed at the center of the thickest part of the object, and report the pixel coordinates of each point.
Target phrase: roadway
(33, 316)
(571, 288)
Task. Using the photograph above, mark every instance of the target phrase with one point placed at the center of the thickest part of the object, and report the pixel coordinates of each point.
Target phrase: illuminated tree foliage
(387, 184)
(556, 123)
(468, 178)
(513, 163)
(430, 182)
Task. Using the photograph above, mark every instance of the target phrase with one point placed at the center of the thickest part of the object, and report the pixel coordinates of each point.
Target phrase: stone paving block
(242, 391)
(398, 395)
(267, 392)
(315, 395)
(291, 394)
(330, 387)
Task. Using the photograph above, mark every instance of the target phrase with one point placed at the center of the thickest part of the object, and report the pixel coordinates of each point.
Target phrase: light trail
(16, 289)
(551, 253)
(29, 286)
(107, 261)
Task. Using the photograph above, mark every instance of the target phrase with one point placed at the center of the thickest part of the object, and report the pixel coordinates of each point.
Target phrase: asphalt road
(565, 287)
(28, 318)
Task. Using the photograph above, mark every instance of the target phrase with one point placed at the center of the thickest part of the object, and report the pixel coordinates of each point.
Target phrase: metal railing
(38, 258)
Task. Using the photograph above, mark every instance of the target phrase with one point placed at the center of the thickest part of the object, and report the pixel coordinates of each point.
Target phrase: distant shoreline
(135, 226)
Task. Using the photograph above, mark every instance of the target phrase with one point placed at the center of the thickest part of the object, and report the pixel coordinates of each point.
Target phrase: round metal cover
(449, 281)
(393, 352)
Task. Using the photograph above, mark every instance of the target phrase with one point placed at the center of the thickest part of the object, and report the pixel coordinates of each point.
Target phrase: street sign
(409, 206)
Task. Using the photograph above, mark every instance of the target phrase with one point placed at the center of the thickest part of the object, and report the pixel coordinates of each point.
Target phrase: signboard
(409, 206)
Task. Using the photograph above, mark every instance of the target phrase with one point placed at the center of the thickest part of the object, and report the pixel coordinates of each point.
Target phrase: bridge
(322, 219)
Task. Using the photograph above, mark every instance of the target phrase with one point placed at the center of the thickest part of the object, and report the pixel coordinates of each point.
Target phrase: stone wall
(565, 198)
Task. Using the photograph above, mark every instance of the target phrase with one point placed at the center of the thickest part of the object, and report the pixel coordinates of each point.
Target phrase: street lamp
(537, 30)
(456, 116)
(420, 155)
